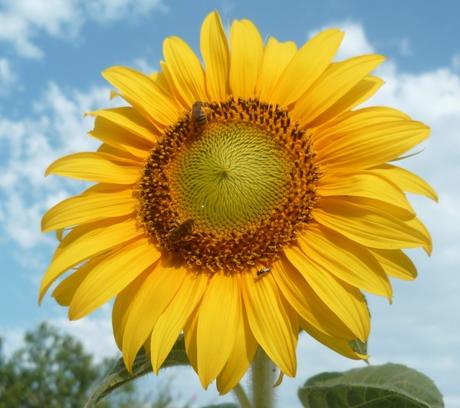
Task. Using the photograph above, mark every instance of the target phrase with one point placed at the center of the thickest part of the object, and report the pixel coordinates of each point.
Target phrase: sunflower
(239, 202)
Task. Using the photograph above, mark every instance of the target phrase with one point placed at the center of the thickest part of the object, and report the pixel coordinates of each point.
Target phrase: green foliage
(52, 370)
(389, 385)
(47, 366)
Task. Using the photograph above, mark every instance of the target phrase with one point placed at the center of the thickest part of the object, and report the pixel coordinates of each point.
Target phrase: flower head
(239, 202)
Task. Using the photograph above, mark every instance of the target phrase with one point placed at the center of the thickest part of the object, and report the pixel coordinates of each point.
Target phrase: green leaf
(226, 405)
(388, 385)
(119, 376)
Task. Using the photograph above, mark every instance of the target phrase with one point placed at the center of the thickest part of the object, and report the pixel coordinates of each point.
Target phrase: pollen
(228, 185)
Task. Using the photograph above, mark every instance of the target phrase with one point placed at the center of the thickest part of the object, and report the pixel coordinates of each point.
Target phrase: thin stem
(262, 380)
(241, 396)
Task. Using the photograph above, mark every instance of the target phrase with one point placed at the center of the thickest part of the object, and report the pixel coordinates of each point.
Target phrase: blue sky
(51, 55)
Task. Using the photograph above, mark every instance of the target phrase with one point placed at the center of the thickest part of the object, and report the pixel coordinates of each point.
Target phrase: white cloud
(7, 76)
(23, 20)
(431, 96)
(18, 220)
(56, 128)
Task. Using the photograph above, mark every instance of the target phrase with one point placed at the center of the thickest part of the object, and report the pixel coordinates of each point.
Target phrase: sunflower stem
(242, 397)
(262, 381)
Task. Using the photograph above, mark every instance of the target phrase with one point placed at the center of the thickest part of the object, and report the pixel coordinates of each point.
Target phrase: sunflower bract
(240, 200)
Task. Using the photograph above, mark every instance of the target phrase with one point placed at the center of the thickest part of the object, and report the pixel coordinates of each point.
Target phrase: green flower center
(233, 175)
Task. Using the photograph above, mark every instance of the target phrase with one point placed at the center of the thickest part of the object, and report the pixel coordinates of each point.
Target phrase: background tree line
(53, 370)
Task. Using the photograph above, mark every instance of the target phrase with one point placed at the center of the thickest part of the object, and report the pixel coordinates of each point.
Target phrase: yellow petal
(89, 207)
(160, 80)
(338, 344)
(305, 301)
(144, 94)
(121, 306)
(347, 123)
(395, 263)
(120, 152)
(96, 166)
(383, 207)
(372, 145)
(110, 276)
(152, 298)
(66, 289)
(215, 334)
(176, 96)
(344, 300)
(214, 49)
(344, 259)
(87, 241)
(123, 151)
(362, 91)
(418, 225)
(335, 82)
(277, 56)
(172, 320)
(240, 358)
(367, 225)
(269, 321)
(190, 331)
(185, 69)
(139, 131)
(405, 180)
(306, 66)
(246, 58)
(362, 184)
(108, 132)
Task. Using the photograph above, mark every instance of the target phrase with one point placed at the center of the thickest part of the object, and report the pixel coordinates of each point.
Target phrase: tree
(50, 370)
(53, 370)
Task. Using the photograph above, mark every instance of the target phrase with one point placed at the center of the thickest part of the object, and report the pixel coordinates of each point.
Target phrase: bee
(262, 272)
(198, 115)
(180, 232)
